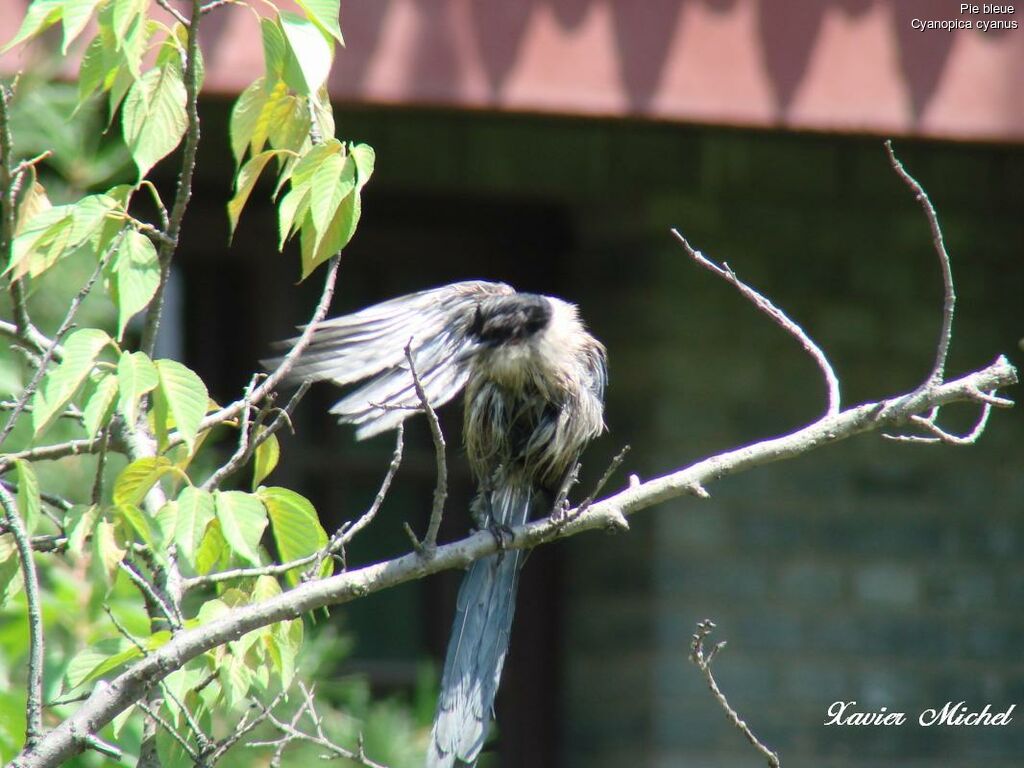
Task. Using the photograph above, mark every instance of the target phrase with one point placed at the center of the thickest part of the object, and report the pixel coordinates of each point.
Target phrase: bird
(533, 379)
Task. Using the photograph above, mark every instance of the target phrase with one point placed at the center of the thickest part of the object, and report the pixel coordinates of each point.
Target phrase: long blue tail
(479, 642)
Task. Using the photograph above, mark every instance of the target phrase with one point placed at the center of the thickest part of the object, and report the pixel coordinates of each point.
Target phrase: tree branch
(949, 301)
(9, 180)
(107, 700)
(778, 317)
(287, 362)
(188, 163)
(34, 703)
(429, 543)
(50, 452)
(48, 354)
(702, 658)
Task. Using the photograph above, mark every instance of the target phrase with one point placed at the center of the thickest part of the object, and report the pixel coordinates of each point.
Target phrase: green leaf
(84, 662)
(40, 15)
(244, 184)
(28, 501)
(135, 480)
(126, 13)
(283, 117)
(195, 511)
(34, 202)
(213, 551)
(245, 115)
(137, 521)
(185, 396)
(42, 240)
(289, 128)
(57, 230)
(294, 523)
(76, 15)
(324, 13)
(265, 459)
(275, 49)
(109, 551)
(11, 580)
(333, 181)
(236, 679)
(134, 277)
(243, 519)
(287, 637)
(154, 118)
(61, 383)
(99, 396)
(98, 68)
(169, 751)
(311, 51)
(291, 211)
(79, 524)
(136, 375)
(339, 233)
(365, 159)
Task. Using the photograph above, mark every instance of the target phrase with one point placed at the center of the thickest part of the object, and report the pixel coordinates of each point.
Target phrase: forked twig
(429, 543)
(702, 658)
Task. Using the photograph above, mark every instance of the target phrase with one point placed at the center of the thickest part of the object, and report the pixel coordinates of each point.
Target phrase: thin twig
(174, 12)
(258, 436)
(241, 454)
(276, 569)
(181, 740)
(214, 4)
(613, 467)
(949, 301)
(188, 163)
(778, 317)
(429, 543)
(149, 593)
(34, 702)
(165, 219)
(702, 659)
(349, 533)
(287, 362)
(941, 435)
(65, 325)
(561, 505)
(290, 732)
(75, 447)
(96, 744)
(101, 465)
(55, 501)
(244, 727)
(8, 211)
(338, 541)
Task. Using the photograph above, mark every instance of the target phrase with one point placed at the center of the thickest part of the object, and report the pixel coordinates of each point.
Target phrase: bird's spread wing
(370, 345)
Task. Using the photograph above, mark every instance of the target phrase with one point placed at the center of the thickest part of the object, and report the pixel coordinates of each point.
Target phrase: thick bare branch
(107, 700)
